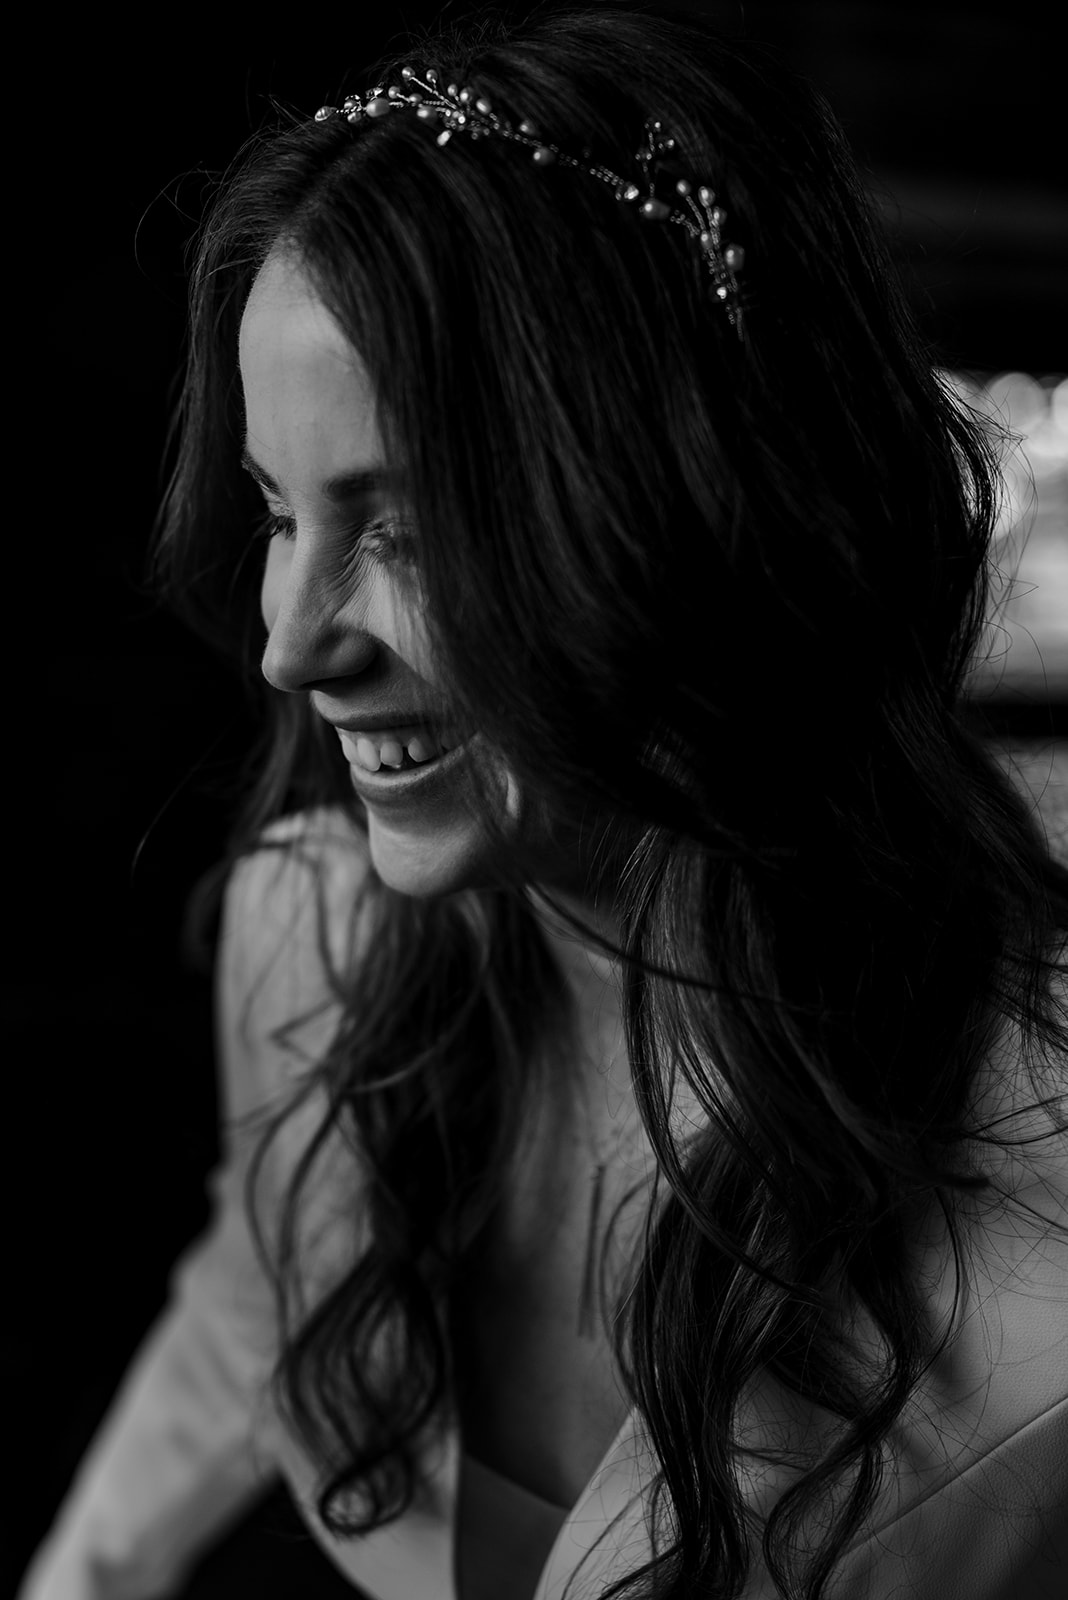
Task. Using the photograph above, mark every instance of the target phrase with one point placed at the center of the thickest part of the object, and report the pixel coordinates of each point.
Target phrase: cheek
(398, 613)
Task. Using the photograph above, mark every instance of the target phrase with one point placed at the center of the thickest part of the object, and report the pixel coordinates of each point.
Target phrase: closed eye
(383, 537)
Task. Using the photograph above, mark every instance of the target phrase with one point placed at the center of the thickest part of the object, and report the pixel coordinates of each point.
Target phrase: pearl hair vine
(693, 207)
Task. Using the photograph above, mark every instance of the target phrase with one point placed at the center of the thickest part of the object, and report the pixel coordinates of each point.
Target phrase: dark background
(129, 737)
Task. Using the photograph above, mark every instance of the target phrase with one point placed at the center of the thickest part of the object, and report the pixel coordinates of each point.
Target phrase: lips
(398, 748)
(413, 782)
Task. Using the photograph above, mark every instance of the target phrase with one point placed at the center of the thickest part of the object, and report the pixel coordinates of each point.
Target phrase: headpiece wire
(693, 206)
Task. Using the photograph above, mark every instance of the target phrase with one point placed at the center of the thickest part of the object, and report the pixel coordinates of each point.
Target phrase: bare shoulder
(305, 876)
(292, 927)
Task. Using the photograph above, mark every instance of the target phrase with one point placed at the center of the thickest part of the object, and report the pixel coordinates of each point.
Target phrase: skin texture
(343, 627)
(349, 633)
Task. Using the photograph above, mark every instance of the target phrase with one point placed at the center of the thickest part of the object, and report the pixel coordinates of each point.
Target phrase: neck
(592, 977)
(613, 1160)
(577, 931)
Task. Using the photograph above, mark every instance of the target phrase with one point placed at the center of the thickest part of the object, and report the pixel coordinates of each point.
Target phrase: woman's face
(343, 626)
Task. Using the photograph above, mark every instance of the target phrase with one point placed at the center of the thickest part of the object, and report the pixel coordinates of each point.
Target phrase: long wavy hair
(725, 592)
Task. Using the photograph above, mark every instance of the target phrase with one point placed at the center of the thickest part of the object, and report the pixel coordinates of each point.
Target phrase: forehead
(308, 402)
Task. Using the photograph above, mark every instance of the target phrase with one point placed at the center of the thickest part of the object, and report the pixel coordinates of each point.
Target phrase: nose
(317, 626)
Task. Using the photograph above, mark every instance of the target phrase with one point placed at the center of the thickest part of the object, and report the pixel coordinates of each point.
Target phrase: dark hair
(743, 581)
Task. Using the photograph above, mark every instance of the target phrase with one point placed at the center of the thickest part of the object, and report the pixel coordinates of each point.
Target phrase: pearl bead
(444, 136)
(406, 73)
(655, 210)
(528, 129)
(734, 256)
(483, 106)
(706, 195)
(431, 76)
(683, 186)
(543, 156)
(377, 107)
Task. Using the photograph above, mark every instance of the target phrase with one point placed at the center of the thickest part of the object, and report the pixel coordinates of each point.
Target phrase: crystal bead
(483, 106)
(734, 256)
(381, 89)
(706, 195)
(719, 216)
(353, 116)
(683, 186)
(444, 136)
(464, 96)
(425, 112)
(324, 113)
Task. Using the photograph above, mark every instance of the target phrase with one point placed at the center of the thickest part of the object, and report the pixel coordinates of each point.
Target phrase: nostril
(313, 646)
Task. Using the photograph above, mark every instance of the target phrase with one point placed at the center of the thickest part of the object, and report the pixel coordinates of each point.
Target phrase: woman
(646, 1170)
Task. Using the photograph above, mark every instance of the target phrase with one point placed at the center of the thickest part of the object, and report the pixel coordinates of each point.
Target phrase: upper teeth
(386, 749)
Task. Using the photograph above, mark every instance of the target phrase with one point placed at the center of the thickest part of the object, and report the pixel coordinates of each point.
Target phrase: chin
(425, 862)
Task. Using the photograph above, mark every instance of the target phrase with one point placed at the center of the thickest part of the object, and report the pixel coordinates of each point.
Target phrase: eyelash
(386, 538)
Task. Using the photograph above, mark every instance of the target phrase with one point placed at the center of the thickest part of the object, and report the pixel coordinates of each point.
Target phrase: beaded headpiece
(692, 207)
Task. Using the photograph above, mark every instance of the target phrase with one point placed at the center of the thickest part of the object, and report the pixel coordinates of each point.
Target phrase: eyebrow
(345, 486)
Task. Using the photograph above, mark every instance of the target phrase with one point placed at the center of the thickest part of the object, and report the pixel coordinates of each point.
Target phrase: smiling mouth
(396, 750)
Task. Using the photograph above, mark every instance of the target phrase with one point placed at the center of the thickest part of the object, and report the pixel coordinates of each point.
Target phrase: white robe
(976, 1508)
